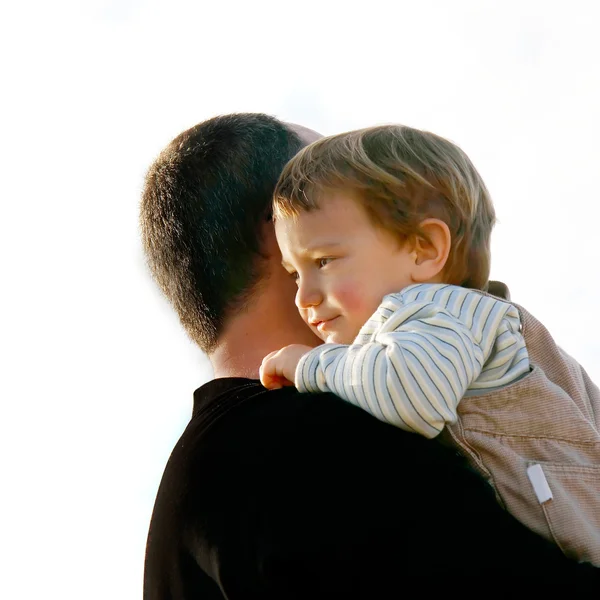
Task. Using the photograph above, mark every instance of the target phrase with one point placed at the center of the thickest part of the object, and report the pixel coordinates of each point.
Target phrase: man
(277, 494)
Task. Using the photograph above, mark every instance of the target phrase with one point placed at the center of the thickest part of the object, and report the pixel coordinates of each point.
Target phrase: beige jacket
(550, 418)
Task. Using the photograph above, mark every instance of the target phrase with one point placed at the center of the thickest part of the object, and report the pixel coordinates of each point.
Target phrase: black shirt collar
(211, 391)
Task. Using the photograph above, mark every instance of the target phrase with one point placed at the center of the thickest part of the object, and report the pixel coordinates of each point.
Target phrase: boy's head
(429, 215)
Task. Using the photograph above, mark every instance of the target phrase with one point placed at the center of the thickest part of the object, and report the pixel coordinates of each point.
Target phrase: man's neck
(231, 360)
(269, 320)
(254, 332)
(242, 346)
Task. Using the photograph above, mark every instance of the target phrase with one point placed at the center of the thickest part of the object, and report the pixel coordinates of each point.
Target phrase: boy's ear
(431, 252)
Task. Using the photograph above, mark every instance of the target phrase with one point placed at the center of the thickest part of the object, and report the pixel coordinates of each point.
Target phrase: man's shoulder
(237, 421)
(243, 436)
(228, 395)
(224, 391)
(230, 412)
(245, 420)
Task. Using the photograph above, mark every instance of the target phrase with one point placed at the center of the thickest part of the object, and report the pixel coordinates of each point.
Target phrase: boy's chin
(336, 338)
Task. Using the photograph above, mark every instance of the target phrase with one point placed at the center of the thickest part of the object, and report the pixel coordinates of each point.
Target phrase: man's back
(283, 495)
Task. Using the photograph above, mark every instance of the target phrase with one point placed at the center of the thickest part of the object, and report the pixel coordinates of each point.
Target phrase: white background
(97, 375)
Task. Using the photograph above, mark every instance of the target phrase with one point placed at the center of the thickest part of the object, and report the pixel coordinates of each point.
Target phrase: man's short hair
(204, 201)
(401, 176)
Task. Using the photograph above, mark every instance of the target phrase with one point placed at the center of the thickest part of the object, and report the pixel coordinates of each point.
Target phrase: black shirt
(281, 495)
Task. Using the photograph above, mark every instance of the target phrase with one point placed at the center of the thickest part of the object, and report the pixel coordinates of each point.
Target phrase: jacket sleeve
(415, 364)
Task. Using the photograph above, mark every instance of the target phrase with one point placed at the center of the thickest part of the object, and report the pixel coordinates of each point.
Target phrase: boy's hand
(279, 368)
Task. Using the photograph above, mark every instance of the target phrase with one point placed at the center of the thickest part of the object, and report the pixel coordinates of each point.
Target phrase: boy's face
(343, 265)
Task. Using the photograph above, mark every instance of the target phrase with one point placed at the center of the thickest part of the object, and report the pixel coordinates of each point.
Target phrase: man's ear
(270, 252)
(431, 251)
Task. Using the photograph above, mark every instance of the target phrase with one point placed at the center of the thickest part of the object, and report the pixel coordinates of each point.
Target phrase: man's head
(205, 208)
(403, 178)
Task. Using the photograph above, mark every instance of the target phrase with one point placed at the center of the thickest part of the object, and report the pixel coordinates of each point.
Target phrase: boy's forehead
(299, 229)
(316, 229)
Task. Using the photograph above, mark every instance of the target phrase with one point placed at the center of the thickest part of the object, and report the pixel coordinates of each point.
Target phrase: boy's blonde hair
(401, 176)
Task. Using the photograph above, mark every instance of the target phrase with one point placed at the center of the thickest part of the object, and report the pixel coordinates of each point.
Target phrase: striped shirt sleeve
(413, 360)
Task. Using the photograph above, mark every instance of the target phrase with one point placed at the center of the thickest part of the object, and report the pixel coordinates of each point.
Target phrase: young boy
(387, 233)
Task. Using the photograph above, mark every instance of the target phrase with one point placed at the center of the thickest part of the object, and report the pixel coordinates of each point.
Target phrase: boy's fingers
(268, 374)
(272, 383)
(268, 356)
(271, 372)
(264, 375)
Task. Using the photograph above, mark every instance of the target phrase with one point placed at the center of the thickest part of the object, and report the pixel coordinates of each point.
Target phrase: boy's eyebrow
(320, 245)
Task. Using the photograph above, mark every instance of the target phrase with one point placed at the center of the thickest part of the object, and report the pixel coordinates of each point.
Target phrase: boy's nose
(307, 295)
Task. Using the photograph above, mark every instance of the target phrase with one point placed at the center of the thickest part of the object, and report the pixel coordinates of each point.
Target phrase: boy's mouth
(322, 325)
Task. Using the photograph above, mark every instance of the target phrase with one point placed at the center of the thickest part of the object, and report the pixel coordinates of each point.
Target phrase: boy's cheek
(356, 301)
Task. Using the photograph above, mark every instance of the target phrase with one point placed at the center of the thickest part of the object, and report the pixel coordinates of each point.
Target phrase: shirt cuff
(305, 378)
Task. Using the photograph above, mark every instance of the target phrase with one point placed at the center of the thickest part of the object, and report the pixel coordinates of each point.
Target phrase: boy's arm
(415, 368)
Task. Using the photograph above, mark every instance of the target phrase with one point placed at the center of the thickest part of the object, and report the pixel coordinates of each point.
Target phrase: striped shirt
(423, 350)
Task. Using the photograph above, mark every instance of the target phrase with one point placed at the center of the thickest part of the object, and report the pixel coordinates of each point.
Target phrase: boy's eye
(323, 261)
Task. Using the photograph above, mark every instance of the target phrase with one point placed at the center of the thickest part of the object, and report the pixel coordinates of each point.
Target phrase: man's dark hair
(204, 201)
